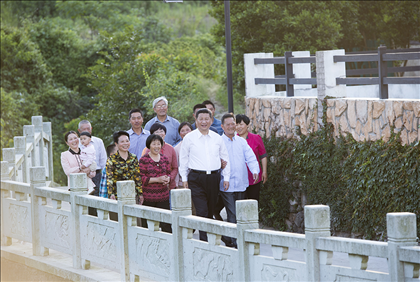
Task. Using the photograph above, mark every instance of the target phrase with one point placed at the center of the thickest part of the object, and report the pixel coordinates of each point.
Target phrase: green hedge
(360, 181)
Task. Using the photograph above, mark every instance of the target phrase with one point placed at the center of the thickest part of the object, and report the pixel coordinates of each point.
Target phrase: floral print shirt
(118, 169)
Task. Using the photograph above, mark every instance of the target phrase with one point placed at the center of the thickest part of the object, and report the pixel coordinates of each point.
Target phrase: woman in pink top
(167, 150)
(70, 160)
(257, 145)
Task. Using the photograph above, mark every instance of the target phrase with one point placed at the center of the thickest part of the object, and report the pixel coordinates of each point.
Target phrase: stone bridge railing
(140, 253)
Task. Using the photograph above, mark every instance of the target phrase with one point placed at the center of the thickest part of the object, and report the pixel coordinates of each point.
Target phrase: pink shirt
(257, 145)
(72, 163)
(169, 152)
(88, 155)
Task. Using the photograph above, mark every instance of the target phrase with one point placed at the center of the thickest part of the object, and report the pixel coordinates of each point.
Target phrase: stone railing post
(317, 224)
(48, 131)
(78, 186)
(326, 73)
(9, 157)
(253, 71)
(401, 228)
(20, 149)
(37, 178)
(29, 133)
(247, 218)
(5, 241)
(126, 196)
(38, 127)
(181, 206)
(302, 71)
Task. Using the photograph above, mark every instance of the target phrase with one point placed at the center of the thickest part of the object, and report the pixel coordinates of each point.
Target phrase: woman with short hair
(155, 174)
(257, 145)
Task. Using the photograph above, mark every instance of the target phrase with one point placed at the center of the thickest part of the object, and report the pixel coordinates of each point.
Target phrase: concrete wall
(365, 119)
(141, 253)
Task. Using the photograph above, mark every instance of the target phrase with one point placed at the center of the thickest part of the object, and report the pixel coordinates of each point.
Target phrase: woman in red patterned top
(155, 175)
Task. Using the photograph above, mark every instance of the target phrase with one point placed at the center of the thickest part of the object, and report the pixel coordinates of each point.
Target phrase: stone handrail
(147, 253)
(29, 151)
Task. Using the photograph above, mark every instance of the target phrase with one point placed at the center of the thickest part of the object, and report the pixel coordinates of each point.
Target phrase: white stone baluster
(20, 149)
(317, 224)
(37, 178)
(29, 133)
(38, 127)
(48, 132)
(247, 219)
(280, 252)
(5, 241)
(358, 261)
(9, 157)
(126, 196)
(78, 186)
(401, 229)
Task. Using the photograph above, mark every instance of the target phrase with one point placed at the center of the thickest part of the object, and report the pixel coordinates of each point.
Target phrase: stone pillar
(302, 71)
(37, 178)
(253, 71)
(317, 224)
(78, 186)
(5, 241)
(126, 196)
(20, 149)
(181, 206)
(326, 73)
(50, 168)
(9, 157)
(247, 218)
(29, 133)
(401, 229)
(38, 127)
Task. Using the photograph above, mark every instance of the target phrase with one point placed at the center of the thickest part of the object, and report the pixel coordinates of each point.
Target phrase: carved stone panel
(99, 241)
(153, 254)
(211, 266)
(57, 230)
(277, 273)
(20, 221)
(346, 278)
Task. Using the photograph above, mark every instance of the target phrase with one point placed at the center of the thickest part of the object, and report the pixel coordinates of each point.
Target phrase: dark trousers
(204, 190)
(219, 207)
(95, 192)
(229, 199)
(253, 192)
(166, 227)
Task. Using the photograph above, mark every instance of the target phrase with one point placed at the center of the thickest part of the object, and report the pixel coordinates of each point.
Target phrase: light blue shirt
(217, 124)
(240, 155)
(172, 136)
(137, 142)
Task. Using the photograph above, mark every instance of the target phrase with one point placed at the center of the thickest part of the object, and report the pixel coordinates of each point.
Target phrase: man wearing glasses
(138, 135)
(160, 107)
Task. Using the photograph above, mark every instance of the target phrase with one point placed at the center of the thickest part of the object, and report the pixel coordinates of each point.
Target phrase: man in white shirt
(240, 156)
(201, 153)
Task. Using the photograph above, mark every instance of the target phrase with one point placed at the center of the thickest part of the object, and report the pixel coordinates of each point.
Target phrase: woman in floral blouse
(155, 174)
(122, 165)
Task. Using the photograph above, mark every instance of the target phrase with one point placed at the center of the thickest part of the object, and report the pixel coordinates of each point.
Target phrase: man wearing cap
(160, 107)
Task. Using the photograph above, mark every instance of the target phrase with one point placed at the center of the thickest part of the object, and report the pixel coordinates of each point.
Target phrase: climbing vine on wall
(360, 181)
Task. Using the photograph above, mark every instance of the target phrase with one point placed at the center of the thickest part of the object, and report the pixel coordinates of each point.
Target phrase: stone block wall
(365, 119)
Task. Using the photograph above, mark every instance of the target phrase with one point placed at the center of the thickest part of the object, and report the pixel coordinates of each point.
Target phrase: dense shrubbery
(360, 181)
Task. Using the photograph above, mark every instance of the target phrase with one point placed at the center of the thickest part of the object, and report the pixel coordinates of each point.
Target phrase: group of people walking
(220, 161)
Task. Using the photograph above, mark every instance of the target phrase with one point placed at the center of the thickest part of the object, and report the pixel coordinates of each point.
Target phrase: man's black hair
(199, 106)
(208, 102)
(202, 111)
(134, 111)
(228, 115)
(110, 149)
